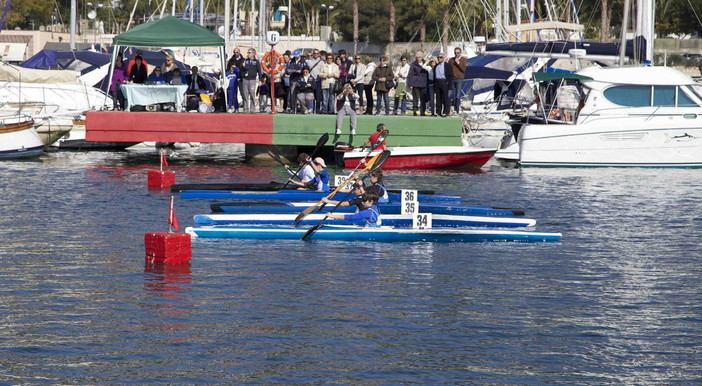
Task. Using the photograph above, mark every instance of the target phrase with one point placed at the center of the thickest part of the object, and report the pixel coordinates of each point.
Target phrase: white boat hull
(668, 142)
(20, 144)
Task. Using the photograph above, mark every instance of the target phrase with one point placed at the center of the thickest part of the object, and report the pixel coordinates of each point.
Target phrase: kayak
(266, 187)
(354, 233)
(398, 220)
(295, 195)
(388, 208)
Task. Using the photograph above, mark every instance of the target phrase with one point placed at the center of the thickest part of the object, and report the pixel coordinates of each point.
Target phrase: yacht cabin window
(643, 96)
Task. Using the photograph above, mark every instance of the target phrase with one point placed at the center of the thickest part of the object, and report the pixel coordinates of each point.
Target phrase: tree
(29, 14)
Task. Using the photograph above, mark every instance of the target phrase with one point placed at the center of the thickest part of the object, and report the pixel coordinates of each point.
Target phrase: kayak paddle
(376, 161)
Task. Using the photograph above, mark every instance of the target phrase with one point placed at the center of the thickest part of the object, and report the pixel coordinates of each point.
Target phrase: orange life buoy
(272, 62)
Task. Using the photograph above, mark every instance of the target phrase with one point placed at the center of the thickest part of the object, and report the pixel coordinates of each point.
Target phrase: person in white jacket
(368, 84)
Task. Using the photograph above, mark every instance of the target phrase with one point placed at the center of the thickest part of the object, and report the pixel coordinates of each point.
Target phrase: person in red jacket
(380, 129)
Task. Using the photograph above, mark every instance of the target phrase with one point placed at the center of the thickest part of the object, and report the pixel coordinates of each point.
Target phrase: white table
(147, 94)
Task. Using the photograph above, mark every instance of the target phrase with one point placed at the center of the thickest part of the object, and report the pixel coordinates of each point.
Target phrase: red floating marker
(168, 247)
(161, 178)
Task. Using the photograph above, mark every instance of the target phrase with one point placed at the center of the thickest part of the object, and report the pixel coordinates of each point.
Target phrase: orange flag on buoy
(172, 219)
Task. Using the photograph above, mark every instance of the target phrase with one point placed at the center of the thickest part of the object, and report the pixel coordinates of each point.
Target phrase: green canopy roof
(546, 76)
(167, 32)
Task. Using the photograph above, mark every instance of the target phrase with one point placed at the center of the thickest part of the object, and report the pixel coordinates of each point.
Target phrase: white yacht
(619, 116)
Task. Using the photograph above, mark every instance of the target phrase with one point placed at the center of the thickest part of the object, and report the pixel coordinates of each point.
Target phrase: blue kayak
(351, 233)
(438, 220)
(389, 208)
(295, 195)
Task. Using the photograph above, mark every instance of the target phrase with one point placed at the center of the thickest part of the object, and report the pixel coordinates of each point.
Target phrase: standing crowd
(324, 83)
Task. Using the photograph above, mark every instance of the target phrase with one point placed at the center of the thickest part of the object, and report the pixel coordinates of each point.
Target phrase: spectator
(177, 77)
(137, 73)
(401, 85)
(156, 77)
(344, 58)
(417, 80)
(119, 76)
(355, 77)
(238, 61)
(429, 66)
(382, 74)
(250, 72)
(305, 90)
(168, 66)
(196, 83)
(329, 75)
(131, 63)
(232, 76)
(346, 105)
(368, 84)
(343, 70)
(294, 73)
(458, 67)
(263, 91)
(315, 64)
(442, 82)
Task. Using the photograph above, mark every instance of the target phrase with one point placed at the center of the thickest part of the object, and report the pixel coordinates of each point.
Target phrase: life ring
(272, 57)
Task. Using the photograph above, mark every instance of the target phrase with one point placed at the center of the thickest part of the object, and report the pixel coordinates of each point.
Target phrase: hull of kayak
(385, 234)
(389, 208)
(438, 220)
(295, 195)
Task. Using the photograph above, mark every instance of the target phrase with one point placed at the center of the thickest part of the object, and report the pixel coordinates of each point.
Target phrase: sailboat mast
(73, 25)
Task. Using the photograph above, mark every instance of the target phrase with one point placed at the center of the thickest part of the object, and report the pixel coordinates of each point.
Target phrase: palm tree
(391, 38)
(355, 27)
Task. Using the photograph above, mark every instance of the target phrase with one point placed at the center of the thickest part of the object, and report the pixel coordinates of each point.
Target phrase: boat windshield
(697, 90)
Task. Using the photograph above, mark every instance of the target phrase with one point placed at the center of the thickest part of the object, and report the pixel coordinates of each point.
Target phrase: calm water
(619, 300)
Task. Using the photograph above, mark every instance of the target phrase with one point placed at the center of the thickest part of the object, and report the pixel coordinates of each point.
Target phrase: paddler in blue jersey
(370, 212)
(376, 179)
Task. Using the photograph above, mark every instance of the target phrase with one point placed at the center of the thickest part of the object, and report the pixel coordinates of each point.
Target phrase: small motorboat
(356, 233)
(426, 157)
(19, 138)
(397, 220)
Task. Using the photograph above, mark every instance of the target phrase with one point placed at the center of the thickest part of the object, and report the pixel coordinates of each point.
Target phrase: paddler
(320, 182)
(376, 179)
(306, 172)
(370, 212)
(358, 189)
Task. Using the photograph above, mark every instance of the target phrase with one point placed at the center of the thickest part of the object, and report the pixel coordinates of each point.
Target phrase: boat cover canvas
(12, 73)
(634, 47)
(169, 32)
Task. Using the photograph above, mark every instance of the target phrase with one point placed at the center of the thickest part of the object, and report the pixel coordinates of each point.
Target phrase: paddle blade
(379, 140)
(322, 140)
(380, 160)
(305, 212)
(312, 230)
(276, 157)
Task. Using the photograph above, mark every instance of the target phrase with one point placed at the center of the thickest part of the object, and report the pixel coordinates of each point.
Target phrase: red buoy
(161, 178)
(167, 247)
